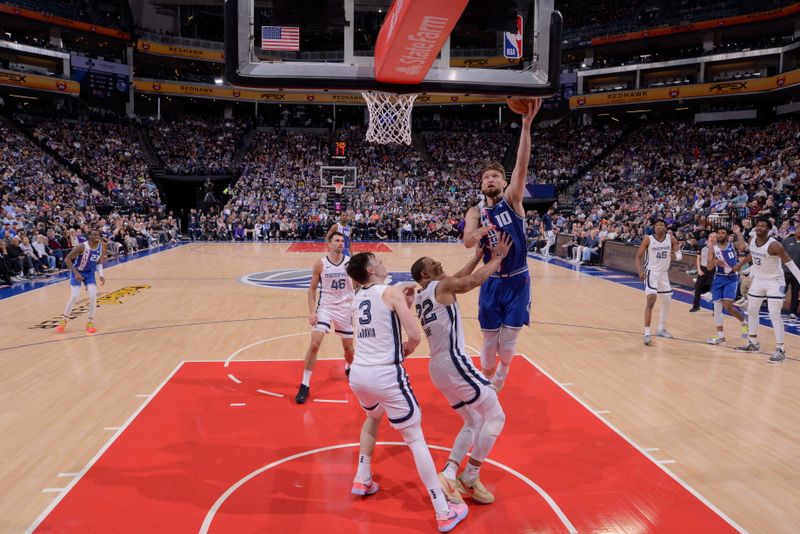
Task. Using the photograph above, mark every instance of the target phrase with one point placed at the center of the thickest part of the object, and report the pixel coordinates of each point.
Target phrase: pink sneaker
(365, 488)
(454, 516)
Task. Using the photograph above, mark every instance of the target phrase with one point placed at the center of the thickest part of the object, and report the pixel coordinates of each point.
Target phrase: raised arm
(516, 189)
(473, 262)
(394, 299)
(316, 275)
(640, 255)
(468, 282)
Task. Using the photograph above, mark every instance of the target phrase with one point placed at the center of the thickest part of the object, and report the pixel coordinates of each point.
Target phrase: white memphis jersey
(442, 324)
(765, 266)
(658, 255)
(377, 329)
(336, 288)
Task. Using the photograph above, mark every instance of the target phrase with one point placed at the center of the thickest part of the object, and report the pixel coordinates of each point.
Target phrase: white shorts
(656, 283)
(385, 388)
(772, 288)
(459, 381)
(339, 320)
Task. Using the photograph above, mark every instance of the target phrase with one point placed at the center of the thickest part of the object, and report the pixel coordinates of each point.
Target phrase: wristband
(678, 255)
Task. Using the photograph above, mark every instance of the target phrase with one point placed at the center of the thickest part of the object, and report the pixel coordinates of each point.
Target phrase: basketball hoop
(338, 187)
(389, 117)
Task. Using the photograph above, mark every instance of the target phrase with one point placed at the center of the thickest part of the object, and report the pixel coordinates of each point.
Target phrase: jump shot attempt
(504, 303)
(90, 256)
(331, 311)
(466, 389)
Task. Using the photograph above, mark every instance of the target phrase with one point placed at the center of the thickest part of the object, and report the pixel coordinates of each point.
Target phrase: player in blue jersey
(504, 303)
(83, 261)
(342, 227)
(723, 256)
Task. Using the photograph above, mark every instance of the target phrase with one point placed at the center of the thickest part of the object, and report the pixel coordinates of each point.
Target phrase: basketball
(520, 105)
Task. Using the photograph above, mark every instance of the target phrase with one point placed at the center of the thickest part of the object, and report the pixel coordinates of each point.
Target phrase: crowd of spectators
(694, 176)
(107, 153)
(46, 209)
(197, 145)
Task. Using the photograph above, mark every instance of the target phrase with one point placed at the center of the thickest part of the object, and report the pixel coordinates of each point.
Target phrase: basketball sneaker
(365, 488)
(750, 347)
(663, 333)
(62, 325)
(90, 329)
(716, 340)
(450, 489)
(475, 490)
(454, 516)
(648, 340)
(302, 394)
(778, 356)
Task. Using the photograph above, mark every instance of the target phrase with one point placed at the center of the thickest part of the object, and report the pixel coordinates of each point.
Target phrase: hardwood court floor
(728, 421)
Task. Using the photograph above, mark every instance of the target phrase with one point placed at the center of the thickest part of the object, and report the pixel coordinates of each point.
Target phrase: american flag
(280, 38)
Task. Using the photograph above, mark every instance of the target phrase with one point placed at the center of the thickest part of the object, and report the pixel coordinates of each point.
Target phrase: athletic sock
(647, 330)
(364, 473)
(450, 470)
(470, 473)
(306, 378)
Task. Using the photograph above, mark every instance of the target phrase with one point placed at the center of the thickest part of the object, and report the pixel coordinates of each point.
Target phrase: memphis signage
(300, 279)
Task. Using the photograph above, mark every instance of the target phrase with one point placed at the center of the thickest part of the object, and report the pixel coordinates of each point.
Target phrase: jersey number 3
(366, 315)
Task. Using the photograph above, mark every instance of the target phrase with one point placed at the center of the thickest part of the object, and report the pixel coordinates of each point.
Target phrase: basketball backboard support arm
(540, 78)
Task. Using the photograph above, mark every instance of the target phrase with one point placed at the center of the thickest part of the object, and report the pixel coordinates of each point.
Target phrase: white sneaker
(793, 316)
(741, 302)
(706, 296)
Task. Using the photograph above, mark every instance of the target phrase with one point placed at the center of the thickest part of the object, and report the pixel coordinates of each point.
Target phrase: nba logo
(145, 46)
(674, 92)
(156, 87)
(61, 86)
(237, 94)
(581, 101)
(512, 42)
(780, 81)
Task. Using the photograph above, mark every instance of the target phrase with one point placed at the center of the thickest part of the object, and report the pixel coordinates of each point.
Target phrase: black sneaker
(347, 372)
(694, 310)
(302, 394)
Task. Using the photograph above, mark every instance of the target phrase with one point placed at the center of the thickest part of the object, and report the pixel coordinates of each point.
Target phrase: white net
(389, 117)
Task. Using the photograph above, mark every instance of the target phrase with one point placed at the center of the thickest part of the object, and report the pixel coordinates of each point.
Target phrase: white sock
(753, 309)
(426, 470)
(364, 473)
(662, 318)
(647, 330)
(502, 370)
(470, 473)
(450, 470)
(306, 378)
(775, 306)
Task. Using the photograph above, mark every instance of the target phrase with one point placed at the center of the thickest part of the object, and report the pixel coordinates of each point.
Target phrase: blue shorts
(724, 287)
(505, 302)
(88, 278)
